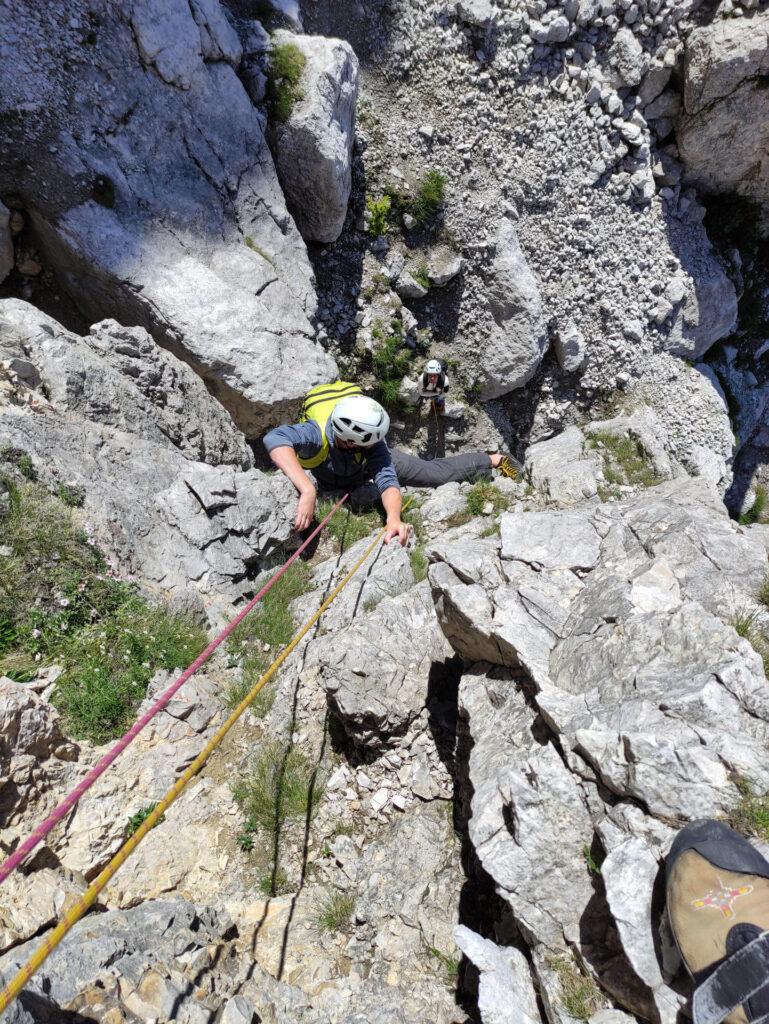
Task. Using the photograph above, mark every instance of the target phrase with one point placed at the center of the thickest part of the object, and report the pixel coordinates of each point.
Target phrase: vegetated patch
(264, 632)
(745, 622)
(287, 62)
(391, 359)
(378, 214)
(490, 531)
(624, 460)
(482, 494)
(419, 563)
(762, 594)
(133, 823)
(593, 861)
(274, 883)
(108, 666)
(751, 814)
(281, 785)
(757, 511)
(60, 602)
(429, 197)
(346, 527)
(580, 995)
(334, 913)
(450, 964)
(422, 274)
(251, 244)
(72, 495)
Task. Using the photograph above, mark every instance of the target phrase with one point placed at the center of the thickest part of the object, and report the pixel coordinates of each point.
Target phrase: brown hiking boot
(718, 905)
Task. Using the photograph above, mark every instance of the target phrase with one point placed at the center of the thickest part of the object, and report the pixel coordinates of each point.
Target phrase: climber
(435, 384)
(341, 438)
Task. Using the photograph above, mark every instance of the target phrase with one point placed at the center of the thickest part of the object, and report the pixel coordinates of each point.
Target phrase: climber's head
(434, 366)
(359, 422)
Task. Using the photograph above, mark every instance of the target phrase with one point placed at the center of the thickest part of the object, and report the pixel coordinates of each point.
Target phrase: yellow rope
(70, 918)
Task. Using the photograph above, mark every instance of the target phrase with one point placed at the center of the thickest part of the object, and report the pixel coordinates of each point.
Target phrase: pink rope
(69, 801)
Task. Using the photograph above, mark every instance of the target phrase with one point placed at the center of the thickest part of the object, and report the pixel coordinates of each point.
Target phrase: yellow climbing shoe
(508, 468)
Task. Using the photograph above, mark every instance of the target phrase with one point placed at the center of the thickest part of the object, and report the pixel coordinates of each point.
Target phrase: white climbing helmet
(433, 367)
(360, 420)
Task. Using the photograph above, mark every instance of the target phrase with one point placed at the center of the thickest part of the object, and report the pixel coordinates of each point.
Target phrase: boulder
(189, 238)
(505, 990)
(570, 349)
(723, 132)
(517, 337)
(378, 680)
(562, 470)
(313, 147)
(120, 377)
(628, 62)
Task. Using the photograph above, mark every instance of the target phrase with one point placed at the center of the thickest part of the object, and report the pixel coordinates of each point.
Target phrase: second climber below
(341, 440)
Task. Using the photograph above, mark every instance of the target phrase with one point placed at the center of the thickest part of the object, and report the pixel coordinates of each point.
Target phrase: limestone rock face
(517, 338)
(723, 131)
(120, 377)
(96, 414)
(617, 669)
(189, 238)
(313, 148)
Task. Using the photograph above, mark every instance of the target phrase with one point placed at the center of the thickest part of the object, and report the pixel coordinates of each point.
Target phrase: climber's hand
(305, 509)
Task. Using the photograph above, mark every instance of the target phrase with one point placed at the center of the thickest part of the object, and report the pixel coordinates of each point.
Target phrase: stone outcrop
(517, 337)
(608, 663)
(177, 524)
(723, 131)
(190, 239)
(313, 147)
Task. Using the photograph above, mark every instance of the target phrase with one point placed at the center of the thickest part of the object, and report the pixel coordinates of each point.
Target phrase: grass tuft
(281, 785)
(624, 460)
(481, 494)
(270, 625)
(347, 527)
(745, 623)
(335, 912)
(419, 563)
(429, 197)
(757, 511)
(251, 244)
(287, 62)
(580, 995)
(450, 964)
(751, 814)
(422, 274)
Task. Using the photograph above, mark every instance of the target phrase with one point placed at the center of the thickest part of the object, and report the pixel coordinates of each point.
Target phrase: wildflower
(37, 633)
(64, 602)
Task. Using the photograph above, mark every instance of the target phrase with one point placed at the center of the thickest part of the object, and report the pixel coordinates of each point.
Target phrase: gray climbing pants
(414, 472)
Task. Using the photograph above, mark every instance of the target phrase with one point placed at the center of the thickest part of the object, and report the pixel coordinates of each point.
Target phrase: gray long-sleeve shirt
(340, 468)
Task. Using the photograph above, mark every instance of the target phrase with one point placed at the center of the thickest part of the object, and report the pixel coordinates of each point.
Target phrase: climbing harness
(79, 908)
(318, 405)
(42, 830)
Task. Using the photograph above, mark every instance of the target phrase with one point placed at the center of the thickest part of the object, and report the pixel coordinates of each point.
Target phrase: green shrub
(140, 817)
(751, 814)
(335, 912)
(756, 512)
(287, 62)
(108, 666)
(72, 495)
(379, 214)
(429, 197)
(281, 785)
